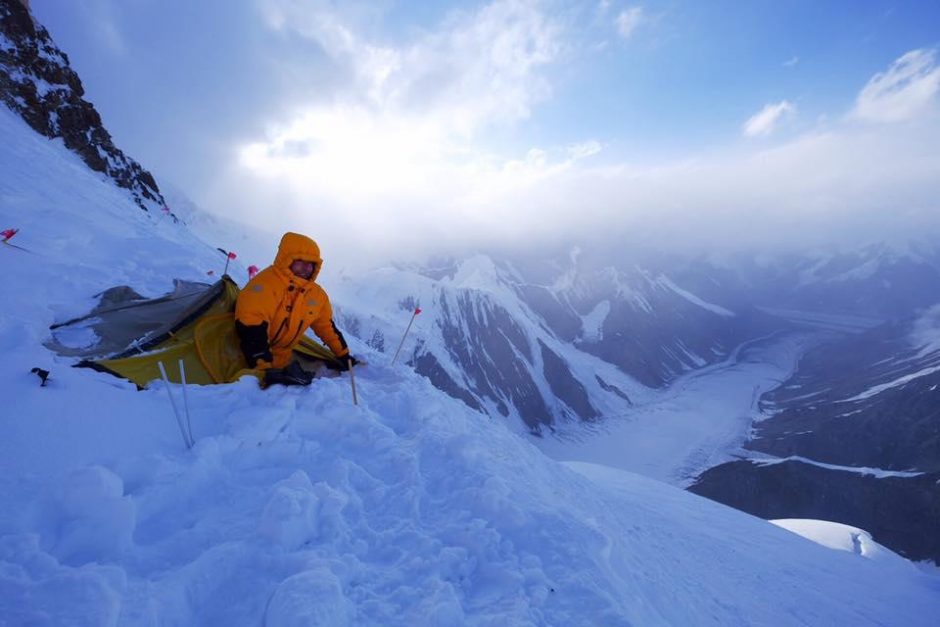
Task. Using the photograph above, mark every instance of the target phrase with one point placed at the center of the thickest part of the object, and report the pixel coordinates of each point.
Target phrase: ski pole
(352, 381)
(402, 343)
(176, 412)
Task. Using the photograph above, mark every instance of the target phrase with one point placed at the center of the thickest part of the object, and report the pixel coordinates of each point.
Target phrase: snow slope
(297, 508)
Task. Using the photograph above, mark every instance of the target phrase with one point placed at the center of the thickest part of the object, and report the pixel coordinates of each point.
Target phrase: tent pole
(189, 424)
(176, 412)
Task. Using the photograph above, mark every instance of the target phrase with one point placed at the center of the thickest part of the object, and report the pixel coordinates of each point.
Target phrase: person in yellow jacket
(281, 302)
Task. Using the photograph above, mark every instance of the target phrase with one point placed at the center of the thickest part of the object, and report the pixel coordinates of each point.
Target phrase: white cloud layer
(396, 164)
(908, 89)
(765, 121)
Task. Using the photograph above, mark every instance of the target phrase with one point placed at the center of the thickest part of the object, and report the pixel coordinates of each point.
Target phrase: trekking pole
(176, 412)
(402, 343)
(352, 381)
(189, 424)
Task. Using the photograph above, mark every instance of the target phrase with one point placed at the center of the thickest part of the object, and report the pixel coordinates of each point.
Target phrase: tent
(128, 335)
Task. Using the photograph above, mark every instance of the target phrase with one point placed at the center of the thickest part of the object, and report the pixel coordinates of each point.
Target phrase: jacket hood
(296, 246)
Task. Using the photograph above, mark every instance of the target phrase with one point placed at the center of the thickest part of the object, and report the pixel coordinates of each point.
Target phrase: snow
(878, 389)
(925, 333)
(878, 473)
(478, 273)
(695, 300)
(846, 538)
(296, 507)
(592, 324)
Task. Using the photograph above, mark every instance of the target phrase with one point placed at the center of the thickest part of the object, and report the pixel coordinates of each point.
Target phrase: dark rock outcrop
(37, 83)
(565, 386)
(494, 356)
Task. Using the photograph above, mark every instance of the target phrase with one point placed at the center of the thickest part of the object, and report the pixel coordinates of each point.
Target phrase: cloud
(398, 161)
(791, 62)
(482, 67)
(584, 149)
(628, 20)
(906, 90)
(765, 121)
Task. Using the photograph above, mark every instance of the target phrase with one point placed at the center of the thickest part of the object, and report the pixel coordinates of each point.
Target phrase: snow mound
(843, 538)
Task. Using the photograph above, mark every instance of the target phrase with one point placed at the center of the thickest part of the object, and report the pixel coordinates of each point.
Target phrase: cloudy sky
(401, 128)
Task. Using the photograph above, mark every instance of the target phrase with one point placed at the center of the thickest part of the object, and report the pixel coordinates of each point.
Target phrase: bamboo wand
(352, 381)
(402, 343)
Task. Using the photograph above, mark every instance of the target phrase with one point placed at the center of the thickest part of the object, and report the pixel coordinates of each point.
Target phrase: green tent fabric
(128, 335)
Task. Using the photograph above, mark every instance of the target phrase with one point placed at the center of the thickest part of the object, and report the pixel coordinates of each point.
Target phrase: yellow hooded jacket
(282, 305)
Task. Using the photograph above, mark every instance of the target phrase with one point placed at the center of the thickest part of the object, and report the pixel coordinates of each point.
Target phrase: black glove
(294, 374)
(254, 343)
(342, 363)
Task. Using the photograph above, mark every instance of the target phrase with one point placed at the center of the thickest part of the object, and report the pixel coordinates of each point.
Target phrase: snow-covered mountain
(544, 343)
(853, 435)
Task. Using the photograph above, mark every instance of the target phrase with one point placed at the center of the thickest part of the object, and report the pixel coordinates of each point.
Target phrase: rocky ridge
(38, 84)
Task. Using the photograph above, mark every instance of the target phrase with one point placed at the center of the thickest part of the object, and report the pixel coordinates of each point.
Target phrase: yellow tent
(195, 323)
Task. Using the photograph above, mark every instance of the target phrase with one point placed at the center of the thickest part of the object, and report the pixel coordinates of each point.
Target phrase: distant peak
(476, 272)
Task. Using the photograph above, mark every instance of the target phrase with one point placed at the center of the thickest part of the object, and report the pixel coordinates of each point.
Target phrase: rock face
(37, 83)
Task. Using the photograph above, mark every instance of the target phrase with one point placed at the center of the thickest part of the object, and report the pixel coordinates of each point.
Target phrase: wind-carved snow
(692, 298)
(593, 323)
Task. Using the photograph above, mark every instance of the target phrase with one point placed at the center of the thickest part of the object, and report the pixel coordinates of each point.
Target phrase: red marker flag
(210, 272)
(166, 209)
(8, 234)
(232, 255)
(417, 310)
(252, 271)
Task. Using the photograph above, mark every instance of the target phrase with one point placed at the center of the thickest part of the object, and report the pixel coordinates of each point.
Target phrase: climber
(280, 303)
